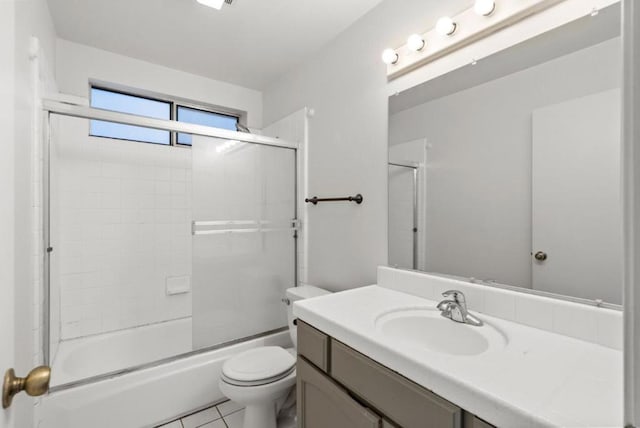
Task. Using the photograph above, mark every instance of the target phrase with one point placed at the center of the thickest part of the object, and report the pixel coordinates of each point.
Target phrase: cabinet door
(395, 397)
(471, 421)
(313, 345)
(322, 403)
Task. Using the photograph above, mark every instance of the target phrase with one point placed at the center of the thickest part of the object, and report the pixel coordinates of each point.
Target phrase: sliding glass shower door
(244, 228)
(158, 251)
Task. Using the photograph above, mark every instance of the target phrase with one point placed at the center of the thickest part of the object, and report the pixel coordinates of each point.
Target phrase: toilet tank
(299, 293)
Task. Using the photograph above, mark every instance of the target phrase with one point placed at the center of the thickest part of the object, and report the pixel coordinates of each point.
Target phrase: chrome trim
(110, 375)
(46, 239)
(84, 112)
(276, 226)
(252, 230)
(454, 307)
(415, 218)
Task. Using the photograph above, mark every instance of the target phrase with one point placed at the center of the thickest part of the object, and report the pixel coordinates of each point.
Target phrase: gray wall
(345, 83)
(479, 171)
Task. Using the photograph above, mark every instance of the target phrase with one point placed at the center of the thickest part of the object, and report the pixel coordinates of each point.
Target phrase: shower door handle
(35, 384)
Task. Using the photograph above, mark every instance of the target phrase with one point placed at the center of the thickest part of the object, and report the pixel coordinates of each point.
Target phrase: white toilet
(261, 377)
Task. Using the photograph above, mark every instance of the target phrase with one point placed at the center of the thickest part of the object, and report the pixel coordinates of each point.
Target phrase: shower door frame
(50, 107)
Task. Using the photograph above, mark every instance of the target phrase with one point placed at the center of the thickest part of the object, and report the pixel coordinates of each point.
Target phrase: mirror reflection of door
(402, 216)
(576, 198)
(407, 232)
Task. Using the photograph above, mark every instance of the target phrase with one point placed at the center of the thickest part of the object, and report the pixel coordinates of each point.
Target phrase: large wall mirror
(507, 171)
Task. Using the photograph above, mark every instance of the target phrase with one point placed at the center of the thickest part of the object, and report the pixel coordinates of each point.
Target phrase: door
(322, 403)
(244, 238)
(576, 218)
(403, 211)
(6, 196)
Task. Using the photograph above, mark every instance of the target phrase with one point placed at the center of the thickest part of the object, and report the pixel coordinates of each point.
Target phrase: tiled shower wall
(121, 218)
(121, 229)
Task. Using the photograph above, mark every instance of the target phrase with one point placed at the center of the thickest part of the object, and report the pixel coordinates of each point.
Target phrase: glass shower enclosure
(156, 252)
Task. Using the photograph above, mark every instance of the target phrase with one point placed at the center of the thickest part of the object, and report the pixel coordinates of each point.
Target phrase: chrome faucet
(454, 307)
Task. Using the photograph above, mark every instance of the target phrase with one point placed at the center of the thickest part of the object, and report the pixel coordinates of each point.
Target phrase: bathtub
(91, 356)
(142, 398)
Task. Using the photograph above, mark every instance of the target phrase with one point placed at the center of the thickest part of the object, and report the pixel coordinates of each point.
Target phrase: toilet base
(260, 416)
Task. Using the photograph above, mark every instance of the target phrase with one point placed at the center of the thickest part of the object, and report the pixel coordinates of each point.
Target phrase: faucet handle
(456, 295)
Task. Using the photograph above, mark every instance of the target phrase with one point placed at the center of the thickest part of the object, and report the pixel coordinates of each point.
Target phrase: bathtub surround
(88, 357)
(121, 217)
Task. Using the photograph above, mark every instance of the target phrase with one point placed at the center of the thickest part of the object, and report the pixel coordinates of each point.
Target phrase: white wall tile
(124, 211)
(575, 321)
(534, 312)
(609, 329)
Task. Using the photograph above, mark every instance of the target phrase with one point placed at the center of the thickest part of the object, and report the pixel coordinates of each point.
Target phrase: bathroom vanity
(384, 356)
(341, 388)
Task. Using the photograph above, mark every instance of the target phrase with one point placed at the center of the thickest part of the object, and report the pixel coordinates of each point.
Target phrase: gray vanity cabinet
(340, 387)
(324, 404)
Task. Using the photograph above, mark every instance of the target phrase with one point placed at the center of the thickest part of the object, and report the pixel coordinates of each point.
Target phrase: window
(107, 99)
(123, 103)
(206, 118)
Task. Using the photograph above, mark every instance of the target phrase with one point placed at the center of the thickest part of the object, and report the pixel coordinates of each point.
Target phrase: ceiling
(249, 43)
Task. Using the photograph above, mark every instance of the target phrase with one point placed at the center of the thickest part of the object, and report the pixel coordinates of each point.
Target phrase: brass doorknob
(36, 383)
(540, 256)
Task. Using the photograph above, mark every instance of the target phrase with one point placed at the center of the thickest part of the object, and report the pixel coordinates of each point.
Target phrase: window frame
(174, 103)
(174, 116)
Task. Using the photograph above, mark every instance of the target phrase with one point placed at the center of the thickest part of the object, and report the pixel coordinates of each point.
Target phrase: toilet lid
(258, 366)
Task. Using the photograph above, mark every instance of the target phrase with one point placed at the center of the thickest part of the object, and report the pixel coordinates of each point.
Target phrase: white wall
(479, 174)
(345, 82)
(78, 64)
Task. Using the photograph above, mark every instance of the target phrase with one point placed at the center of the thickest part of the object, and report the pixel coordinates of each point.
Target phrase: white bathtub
(142, 398)
(91, 356)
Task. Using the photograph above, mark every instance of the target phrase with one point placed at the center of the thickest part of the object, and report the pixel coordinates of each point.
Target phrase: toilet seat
(258, 366)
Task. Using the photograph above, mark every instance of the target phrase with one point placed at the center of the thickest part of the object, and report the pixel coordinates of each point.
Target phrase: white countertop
(539, 379)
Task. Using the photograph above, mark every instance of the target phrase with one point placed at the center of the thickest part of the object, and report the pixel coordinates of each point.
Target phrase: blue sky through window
(123, 103)
(205, 118)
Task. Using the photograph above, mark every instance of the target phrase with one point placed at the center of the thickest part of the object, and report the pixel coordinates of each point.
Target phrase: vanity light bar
(452, 33)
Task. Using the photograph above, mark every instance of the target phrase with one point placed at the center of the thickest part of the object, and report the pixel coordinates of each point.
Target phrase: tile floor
(224, 415)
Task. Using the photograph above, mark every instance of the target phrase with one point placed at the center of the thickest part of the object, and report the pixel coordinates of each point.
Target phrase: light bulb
(415, 42)
(445, 26)
(485, 7)
(389, 56)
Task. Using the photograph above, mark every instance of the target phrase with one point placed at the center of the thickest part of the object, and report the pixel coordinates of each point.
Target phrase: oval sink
(427, 328)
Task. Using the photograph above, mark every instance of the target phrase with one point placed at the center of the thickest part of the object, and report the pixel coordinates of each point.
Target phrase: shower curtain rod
(84, 112)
